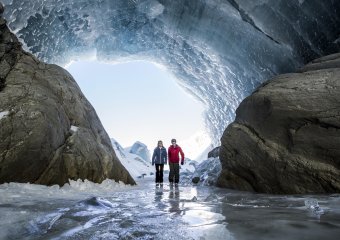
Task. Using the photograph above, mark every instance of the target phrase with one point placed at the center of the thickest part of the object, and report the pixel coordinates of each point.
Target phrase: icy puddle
(115, 211)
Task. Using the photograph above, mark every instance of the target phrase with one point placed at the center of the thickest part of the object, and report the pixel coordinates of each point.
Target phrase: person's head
(173, 142)
(160, 143)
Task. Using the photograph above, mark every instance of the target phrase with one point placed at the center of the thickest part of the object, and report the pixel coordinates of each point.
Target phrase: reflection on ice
(84, 210)
(174, 201)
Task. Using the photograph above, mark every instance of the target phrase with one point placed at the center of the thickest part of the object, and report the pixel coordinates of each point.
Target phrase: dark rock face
(214, 153)
(49, 132)
(286, 135)
(195, 180)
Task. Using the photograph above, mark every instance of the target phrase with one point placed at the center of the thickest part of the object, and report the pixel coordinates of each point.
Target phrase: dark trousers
(174, 172)
(159, 173)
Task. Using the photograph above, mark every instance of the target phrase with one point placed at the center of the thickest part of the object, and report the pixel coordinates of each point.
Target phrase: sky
(139, 101)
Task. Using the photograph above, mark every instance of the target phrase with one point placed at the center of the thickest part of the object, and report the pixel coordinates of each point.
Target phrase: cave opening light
(142, 101)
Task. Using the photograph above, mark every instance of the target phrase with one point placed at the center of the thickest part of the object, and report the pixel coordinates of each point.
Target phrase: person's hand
(182, 163)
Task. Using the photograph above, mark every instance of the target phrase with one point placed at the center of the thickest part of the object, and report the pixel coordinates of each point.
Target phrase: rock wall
(49, 132)
(214, 153)
(286, 135)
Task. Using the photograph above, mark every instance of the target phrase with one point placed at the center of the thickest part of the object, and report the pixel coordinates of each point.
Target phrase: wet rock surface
(214, 153)
(49, 131)
(286, 135)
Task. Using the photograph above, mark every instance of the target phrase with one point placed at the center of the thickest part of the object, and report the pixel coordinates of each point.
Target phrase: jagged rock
(195, 180)
(286, 135)
(1, 9)
(214, 153)
(330, 61)
(49, 132)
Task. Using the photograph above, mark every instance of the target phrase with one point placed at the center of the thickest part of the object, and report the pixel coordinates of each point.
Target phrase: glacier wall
(219, 50)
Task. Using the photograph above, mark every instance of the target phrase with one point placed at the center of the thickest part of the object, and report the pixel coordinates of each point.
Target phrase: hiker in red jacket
(173, 158)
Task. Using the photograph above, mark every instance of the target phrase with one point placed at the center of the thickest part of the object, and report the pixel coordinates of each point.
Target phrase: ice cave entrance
(142, 101)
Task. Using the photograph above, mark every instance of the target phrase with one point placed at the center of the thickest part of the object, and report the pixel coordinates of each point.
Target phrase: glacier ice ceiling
(220, 50)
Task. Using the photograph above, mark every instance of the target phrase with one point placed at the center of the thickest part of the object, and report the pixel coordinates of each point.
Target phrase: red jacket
(173, 154)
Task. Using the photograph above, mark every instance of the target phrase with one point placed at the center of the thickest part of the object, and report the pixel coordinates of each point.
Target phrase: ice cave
(268, 72)
(220, 50)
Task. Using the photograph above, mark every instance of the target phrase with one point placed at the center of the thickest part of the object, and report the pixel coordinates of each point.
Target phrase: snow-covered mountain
(141, 150)
(137, 166)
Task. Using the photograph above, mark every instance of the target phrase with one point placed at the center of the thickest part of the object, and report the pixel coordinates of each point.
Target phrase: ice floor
(115, 211)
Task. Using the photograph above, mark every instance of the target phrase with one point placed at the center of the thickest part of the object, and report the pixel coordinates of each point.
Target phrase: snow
(197, 145)
(3, 114)
(207, 170)
(204, 155)
(141, 150)
(135, 164)
(188, 166)
(74, 128)
(69, 190)
(139, 168)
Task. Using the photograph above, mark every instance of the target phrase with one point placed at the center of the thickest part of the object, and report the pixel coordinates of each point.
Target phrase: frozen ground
(115, 211)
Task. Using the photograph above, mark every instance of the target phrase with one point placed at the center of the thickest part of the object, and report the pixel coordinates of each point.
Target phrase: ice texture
(219, 50)
(313, 205)
(3, 114)
(206, 171)
(140, 149)
(85, 210)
